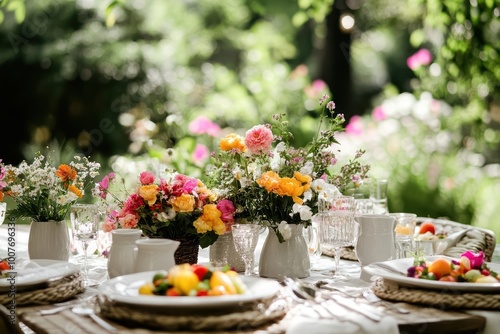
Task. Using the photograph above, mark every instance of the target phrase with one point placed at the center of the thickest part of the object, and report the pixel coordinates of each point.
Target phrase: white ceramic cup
(376, 240)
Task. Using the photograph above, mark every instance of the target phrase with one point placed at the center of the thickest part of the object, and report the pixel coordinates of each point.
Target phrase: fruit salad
(194, 280)
(4, 266)
(427, 231)
(469, 268)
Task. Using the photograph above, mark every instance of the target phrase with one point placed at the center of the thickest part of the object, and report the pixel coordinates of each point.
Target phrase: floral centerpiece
(276, 184)
(174, 207)
(43, 192)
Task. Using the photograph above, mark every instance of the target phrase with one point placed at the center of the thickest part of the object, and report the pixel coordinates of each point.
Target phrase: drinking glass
(311, 235)
(245, 237)
(3, 210)
(378, 195)
(84, 226)
(405, 230)
(338, 229)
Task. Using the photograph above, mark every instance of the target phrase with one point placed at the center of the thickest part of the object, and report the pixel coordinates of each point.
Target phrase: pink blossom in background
(259, 139)
(316, 88)
(299, 72)
(146, 177)
(378, 114)
(420, 58)
(355, 126)
(200, 154)
(202, 124)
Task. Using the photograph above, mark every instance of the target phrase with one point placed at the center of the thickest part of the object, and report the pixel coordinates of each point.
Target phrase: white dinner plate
(34, 274)
(124, 289)
(395, 271)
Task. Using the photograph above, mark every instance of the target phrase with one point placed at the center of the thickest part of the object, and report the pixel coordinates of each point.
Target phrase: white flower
(281, 147)
(307, 169)
(166, 215)
(304, 211)
(285, 230)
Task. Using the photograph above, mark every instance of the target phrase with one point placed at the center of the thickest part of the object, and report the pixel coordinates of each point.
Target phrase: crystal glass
(405, 230)
(84, 227)
(338, 229)
(3, 210)
(311, 235)
(245, 237)
(378, 195)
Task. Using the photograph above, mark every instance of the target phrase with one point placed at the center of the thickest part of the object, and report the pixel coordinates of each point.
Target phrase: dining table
(342, 307)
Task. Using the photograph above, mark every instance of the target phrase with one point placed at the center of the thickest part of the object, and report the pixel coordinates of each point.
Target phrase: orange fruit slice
(440, 267)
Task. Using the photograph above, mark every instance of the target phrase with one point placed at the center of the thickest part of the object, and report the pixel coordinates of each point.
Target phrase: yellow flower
(232, 142)
(270, 181)
(183, 203)
(210, 220)
(289, 186)
(75, 190)
(148, 193)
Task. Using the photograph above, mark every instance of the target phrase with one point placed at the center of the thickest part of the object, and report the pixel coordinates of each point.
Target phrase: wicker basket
(188, 249)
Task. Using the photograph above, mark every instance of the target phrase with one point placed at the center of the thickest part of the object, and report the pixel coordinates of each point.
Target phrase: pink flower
(146, 178)
(378, 114)
(420, 58)
(128, 221)
(104, 185)
(108, 226)
(259, 139)
(227, 208)
(355, 126)
(200, 154)
(202, 125)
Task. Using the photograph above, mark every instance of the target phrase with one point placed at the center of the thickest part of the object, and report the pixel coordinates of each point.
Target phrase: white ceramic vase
(376, 240)
(49, 240)
(155, 254)
(123, 252)
(289, 258)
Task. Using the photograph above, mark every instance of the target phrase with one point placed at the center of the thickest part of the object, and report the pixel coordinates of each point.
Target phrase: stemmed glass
(84, 226)
(245, 240)
(3, 209)
(338, 229)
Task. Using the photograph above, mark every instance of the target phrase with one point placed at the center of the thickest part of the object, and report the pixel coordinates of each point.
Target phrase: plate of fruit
(188, 286)
(469, 273)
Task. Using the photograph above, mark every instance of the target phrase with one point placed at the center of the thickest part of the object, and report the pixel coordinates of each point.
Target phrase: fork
(373, 298)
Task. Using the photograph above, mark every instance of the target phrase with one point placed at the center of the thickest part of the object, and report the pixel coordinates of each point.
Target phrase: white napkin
(308, 321)
(40, 270)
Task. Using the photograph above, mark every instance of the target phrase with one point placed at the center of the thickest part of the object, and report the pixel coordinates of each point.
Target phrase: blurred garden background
(138, 84)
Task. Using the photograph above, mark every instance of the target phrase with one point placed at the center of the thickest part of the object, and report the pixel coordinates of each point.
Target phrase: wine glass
(405, 229)
(3, 210)
(338, 229)
(245, 240)
(84, 226)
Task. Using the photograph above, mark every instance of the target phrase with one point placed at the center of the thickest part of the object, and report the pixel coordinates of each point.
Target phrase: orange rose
(148, 193)
(184, 203)
(270, 181)
(232, 142)
(291, 187)
(65, 173)
(75, 190)
(1, 195)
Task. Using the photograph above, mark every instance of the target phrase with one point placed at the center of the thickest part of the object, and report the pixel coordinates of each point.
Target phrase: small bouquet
(43, 192)
(272, 182)
(174, 207)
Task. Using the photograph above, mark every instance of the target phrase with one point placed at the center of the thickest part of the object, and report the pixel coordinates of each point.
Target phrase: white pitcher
(376, 240)
(155, 254)
(121, 258)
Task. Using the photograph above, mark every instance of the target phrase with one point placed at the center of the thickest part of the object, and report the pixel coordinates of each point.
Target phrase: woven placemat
(442, 299)
(55, 291)
(245, 316)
